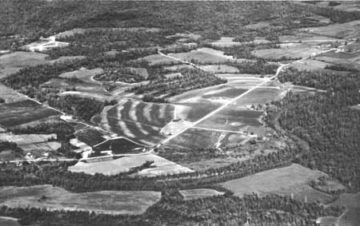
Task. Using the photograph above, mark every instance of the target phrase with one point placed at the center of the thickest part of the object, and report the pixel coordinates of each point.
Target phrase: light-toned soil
(55, 198)
(161, 166)
(199, 193)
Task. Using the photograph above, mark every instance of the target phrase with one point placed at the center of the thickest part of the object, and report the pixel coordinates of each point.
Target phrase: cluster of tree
(114, 74)
(340, 67)
(189, 79)
(62, 129)
(326, 80)
(9, 146)
(84, 108)
(29, 79)
(96, 42)
(336, 16)
(172, 210)
(258, 67)
(327, 122)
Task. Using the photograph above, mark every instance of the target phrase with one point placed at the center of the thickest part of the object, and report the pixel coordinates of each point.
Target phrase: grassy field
(13, 62)
(291, 51)
(291, 180)
(120, 146)
(309, 65)
(199, 193)
(157, 59)
(54, 198)
(83, 74)
(203, 56)
(220, 68)
(197, 138)
(123, 164)
(345, 30)
(233, 119)
(9, 221)
(9, 95)
(18, 113)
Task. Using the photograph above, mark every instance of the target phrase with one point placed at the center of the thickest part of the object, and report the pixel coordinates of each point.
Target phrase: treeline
(190, 79)
(96, 42)
(61, 128)
(327, 122)
(58, 175)
(326, 80)
(171, 210)
(258, 67)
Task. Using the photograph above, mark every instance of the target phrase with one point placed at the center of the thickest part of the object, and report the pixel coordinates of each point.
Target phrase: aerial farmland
(119, 113)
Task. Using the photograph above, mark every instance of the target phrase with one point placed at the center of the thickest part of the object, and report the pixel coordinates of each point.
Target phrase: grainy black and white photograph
(191, 113)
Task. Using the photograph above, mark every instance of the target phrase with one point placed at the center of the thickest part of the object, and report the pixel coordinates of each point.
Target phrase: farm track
(233, 100)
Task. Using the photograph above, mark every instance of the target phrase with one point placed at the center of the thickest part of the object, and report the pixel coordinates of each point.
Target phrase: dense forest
(327, 122)
(29, 20)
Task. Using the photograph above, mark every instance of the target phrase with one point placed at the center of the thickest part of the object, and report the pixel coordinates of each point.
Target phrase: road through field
(279, 69)
(233, 100)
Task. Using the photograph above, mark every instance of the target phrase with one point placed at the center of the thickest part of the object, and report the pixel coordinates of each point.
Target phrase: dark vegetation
(160, 89)
(96, 42)
(84, 108)
(172, 210)
(29, 19)
(58, 175)
(326, 122)
(258, 67)
(62, 129)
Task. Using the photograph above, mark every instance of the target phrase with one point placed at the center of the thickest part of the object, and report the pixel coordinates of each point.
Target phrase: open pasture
(290, 180)
(18, 113)
(215, 94)
(203, 56)
(191, 194)
(220, 68)
(292, 50)
(157, 59)
(309, 65)
(100, 202)
(261, 95)
(198, 138)
(119, 146)
(303, 37)
(83, 74)
(233, 119)
(9, 95)
(9, 221)
(178, 67)
(229, 42)
(13, 62)
(344, 30)
(126, 162)
(349, 6)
